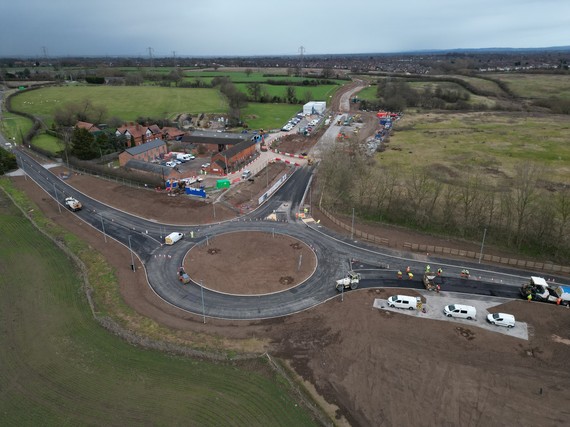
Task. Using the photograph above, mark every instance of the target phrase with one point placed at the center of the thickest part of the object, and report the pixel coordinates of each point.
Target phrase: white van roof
(538, 281)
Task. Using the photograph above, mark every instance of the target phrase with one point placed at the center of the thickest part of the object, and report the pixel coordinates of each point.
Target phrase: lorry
(540, 290)
(351, 281)
(172, 238)
(431, 281)
(73, 204)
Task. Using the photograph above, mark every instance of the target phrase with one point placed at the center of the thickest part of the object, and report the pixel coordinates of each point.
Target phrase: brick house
(136, 134)
(147, 152)
(171, 133)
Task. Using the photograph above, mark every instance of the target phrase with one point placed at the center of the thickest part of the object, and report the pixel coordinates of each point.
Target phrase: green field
(536, 86)
(268, 116)
(125, 102)
(486, 140)
(13, 127)
(318, 93)
(59, 367)
(48, 142)
(368, 93)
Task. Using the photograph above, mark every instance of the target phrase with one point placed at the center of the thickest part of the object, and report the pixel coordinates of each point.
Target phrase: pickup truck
(73, 204)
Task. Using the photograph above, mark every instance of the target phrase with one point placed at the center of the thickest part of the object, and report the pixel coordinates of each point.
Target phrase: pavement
(434, 310)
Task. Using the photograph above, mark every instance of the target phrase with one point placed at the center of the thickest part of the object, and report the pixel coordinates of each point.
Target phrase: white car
(205, 165)
(501, 319)
(171, 164)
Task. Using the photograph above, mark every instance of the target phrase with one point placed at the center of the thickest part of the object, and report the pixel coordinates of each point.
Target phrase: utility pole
(301, 59)
(150, 50)
(352, 229)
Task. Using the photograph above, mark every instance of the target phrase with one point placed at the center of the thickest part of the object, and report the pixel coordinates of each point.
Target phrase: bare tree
(525, 192)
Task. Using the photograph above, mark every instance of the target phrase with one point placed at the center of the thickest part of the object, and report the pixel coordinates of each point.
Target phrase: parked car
(461, 311)
(501, 319)
(205, 165)
(171, 164)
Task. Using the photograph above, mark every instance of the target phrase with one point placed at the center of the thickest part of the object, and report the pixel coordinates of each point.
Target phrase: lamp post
(352, 228)
(57, 201)
(103, 227)
(482, 244)
(203, 307)
(132, 257)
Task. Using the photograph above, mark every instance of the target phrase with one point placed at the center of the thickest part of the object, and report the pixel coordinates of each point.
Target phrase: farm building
(234, 157)
(314, 107)
(159, 171)
(147, 152)
(171, 133)
(214, 142)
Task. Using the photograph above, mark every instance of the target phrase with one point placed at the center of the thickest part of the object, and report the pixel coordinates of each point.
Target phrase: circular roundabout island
(250, 263)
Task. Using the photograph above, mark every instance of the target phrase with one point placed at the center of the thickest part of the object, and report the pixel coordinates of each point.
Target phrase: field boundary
(415, 247)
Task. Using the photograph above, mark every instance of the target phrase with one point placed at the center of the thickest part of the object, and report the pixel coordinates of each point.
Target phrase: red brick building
(234, 157)
(136, 134)
(148, 152)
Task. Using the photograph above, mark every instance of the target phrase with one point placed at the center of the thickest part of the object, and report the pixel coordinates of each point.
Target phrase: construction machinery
(540, 290)
(351, 281)
(182, 276)
(73, 204)
(431, 281)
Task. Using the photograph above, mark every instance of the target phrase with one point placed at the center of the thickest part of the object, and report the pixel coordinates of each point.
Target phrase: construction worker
(399, 274)
(465, 273)
(529, 297)
(408, 269)
(438, 288)
(410, 275)
(439, 271)
(428, 268)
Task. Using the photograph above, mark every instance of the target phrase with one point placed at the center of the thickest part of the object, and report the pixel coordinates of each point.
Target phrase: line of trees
(518, 212)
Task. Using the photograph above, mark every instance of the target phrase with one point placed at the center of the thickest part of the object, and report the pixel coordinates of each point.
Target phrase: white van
(184, 157)
(403, 301)
(172, 238)
(461, 311)
(501, 319)
(246, 174)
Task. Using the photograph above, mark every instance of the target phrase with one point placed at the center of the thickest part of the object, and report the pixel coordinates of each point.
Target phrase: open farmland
(536, 86)
(125, 102)
(486, 141)
(59, 367)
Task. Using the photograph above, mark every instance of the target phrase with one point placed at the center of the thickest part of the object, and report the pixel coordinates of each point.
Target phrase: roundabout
(250, 263)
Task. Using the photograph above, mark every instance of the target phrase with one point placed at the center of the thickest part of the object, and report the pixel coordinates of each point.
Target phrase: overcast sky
(268, 27)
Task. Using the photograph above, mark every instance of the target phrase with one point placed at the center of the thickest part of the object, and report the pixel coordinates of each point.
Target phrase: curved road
(335, 254)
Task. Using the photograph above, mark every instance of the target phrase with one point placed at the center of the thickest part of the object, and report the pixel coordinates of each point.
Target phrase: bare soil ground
(372, 367)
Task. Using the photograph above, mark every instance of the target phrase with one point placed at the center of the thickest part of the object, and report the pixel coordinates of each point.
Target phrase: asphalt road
(335, 254)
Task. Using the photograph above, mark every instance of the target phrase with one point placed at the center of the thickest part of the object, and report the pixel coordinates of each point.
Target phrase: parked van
(246, 174)
(461, 311)
(501, 319)
(184, 157)
(403, 301)
(172, 238)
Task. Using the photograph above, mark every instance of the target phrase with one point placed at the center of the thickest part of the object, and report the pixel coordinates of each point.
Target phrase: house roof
(219, 138)
(155, 129)
(135, 130)
(86, 125)
(172, 131)
(232, 151)
(139, 149)
(149, 167)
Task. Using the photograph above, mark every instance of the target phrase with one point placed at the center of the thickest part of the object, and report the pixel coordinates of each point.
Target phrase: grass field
(537, 86)
(268, 116)
(318, 93)
(59, 367)
(128, 103)
(14, 126)
(486, 140)
(47, 142)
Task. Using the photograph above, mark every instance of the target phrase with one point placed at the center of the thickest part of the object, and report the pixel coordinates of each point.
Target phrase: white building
(314, 107)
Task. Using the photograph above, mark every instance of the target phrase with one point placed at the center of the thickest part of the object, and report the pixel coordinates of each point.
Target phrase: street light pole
(482, 244)
(132, 257)
(57, 201)
(203, 309)
(103, 227)
(352, 229)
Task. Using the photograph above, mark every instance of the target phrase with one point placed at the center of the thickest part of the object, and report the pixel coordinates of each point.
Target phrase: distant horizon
(408, 52)
(250, 28)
